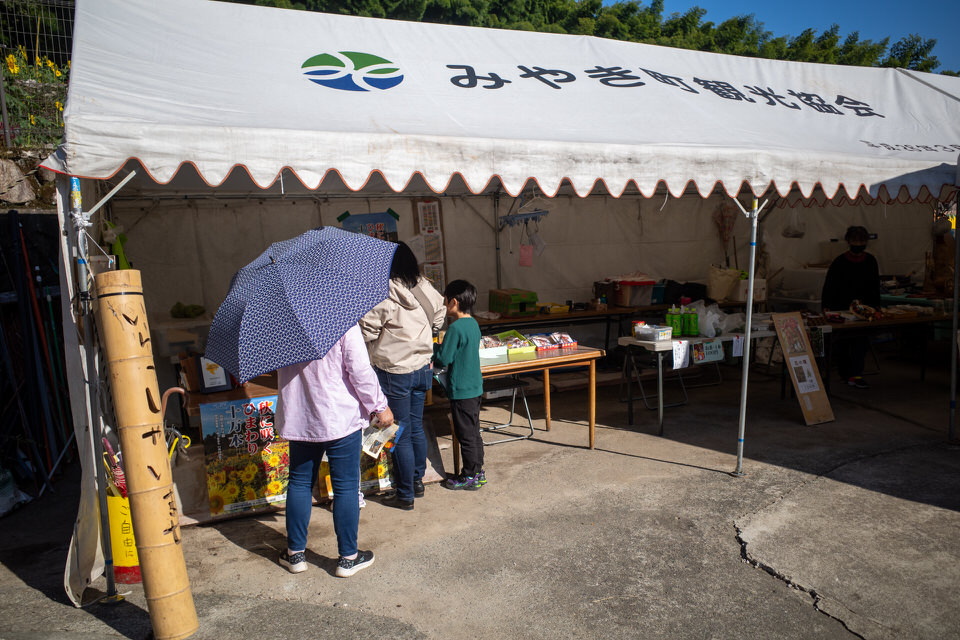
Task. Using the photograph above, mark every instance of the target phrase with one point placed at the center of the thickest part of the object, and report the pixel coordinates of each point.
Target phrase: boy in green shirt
(460, 353)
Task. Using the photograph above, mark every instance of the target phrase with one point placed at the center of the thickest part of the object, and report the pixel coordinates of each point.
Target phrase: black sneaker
(346, 568)
(394, 500)
(297, 563)
(858, 382)
(418, 488)
(462, 482)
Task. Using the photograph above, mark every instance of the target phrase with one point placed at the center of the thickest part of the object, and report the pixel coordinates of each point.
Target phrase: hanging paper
(429, 216)
(526, 255)
(737, 346)
(681, 353)
(432, 247)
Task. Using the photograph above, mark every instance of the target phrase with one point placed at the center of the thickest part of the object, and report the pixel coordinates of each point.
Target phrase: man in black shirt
(854, 275)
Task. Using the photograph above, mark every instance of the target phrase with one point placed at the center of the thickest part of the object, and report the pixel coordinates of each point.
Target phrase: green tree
(912, 52)
(635, 21)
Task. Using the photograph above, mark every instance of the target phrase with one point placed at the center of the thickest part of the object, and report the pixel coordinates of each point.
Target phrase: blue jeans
(344, 458)
(406, 393)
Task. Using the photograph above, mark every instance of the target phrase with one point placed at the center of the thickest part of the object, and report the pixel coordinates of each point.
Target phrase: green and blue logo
(352, 71)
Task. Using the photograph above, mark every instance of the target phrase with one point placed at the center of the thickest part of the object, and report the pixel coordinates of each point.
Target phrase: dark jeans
(406, 393)
(344, 458)
(850, 354)
(466, 424)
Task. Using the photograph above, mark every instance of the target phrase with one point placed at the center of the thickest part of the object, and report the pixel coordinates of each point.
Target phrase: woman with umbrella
(399, 335)
(295, 309)
(323, 406)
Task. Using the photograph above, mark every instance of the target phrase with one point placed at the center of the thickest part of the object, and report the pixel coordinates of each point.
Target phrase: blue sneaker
(469, 483)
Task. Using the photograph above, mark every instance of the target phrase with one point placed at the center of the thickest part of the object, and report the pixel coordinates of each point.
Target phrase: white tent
(206, 99)
(220, 85)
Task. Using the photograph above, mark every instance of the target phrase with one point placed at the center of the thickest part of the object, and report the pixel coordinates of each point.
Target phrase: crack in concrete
(787, 581)
(817, 599)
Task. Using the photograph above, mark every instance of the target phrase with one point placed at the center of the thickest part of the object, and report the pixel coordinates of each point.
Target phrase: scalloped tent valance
(218, 85)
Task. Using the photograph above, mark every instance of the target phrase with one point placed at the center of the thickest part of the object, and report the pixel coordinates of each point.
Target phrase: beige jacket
(398, 336)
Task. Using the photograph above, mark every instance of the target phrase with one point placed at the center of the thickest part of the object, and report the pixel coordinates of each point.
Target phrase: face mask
(858, 248)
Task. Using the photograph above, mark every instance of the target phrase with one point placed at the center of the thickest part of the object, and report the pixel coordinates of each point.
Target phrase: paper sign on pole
(804, 373)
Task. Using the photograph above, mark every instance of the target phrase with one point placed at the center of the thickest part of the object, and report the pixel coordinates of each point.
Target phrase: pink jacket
(329, 398)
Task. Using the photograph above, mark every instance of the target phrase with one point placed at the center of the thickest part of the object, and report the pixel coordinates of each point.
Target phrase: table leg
(546, 396)
(660, 391)
(593, 399)
(456, 448)
(827, 354)
(925, 332)
(629, 367)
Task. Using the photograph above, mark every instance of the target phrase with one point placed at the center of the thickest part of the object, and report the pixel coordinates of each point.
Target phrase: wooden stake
(125, 335)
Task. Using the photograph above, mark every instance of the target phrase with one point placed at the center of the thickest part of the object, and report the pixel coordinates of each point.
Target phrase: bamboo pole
(125, 333)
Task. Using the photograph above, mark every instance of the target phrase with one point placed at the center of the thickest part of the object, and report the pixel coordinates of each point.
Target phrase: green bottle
(693, 322)
(675, 320)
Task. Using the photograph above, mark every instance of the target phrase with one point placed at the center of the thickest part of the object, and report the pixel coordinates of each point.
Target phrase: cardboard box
(632, 293)
(513, 303)
(739, 293)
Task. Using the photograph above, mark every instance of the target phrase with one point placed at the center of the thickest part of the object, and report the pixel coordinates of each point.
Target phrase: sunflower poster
(247, 463)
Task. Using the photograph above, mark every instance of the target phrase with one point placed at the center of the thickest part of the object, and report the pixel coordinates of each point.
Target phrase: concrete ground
(848, 529)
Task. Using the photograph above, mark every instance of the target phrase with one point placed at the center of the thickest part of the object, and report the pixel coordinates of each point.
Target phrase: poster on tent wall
(247, 463)
(381, 225)
(802, 365)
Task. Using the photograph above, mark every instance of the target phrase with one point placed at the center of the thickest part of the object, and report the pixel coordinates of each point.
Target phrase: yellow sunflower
(220, 477)
(275, 488)
(231, 491)
(216, 501)
(12, 64)
(249, 473)
(273, 460)
(249, 494)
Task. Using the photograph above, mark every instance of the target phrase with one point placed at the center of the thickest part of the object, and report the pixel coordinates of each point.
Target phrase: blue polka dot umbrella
(297, 299)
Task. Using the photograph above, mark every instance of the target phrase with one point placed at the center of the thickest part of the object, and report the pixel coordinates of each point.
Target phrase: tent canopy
(220, 86)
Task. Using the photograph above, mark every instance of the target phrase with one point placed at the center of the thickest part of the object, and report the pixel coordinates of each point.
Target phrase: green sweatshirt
(460, 353)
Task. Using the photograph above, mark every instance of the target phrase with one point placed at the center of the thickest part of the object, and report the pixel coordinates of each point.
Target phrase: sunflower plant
(35, 89)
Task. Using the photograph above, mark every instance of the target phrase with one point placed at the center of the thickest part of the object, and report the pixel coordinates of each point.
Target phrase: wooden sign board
(804, 373)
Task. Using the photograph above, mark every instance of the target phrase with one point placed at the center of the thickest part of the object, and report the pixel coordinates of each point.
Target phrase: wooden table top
(538, 360)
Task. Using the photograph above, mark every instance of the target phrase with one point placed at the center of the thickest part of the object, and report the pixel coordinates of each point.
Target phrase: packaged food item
(563, 339)
(655, 332)
(543, 341)
(637, 325)
(490, 342)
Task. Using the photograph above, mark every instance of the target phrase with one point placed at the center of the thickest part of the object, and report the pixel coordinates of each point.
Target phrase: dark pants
(344, 458)
(466, 424)
(850, 354)
(406, 393)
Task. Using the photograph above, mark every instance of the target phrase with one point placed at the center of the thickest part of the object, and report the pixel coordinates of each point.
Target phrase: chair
(515, 385)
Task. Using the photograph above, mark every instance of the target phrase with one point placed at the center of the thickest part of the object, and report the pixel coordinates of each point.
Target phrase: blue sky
(877, 19)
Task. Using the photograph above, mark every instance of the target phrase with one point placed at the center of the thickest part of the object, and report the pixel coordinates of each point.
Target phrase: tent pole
(955, 348)
(753, 216)
(95, 428)
(496, 233)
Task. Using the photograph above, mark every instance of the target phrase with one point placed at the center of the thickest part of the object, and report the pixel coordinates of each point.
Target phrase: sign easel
(800, 362)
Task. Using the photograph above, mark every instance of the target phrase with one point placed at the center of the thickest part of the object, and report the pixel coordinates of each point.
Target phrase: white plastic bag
(733, 323)
(710, 319)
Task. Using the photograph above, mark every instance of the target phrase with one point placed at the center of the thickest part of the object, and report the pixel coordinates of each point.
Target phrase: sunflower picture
(247, 464)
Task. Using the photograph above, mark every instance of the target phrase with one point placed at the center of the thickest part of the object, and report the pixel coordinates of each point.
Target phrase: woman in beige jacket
(399, 334)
